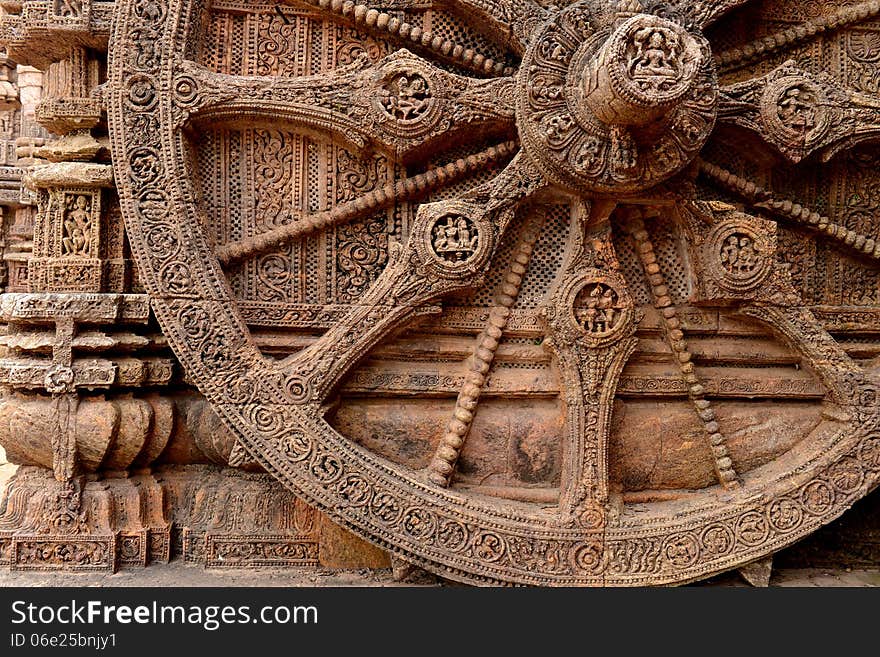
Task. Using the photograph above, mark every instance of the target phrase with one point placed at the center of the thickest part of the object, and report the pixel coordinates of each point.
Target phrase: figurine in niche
(796, 109)
(738, 255)
(149, 9)
(730, 253)
(455, 240)
(598, 312)
(607, 313)
(407, 97)
(69, 8)
(77, 227)
(656, 55)
(587, 316)
(747, 254)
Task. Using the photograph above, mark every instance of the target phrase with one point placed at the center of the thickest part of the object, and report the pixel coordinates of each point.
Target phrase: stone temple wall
(581, 293)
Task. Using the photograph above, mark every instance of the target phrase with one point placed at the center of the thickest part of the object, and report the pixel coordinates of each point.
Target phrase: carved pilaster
(74, 249)
(58, 513)
(31, 135)
(67, 105)
(590, 325)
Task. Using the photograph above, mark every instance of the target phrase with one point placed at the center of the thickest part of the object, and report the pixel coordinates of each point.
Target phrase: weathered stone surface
(594, 303)
(75, 146)
(342, 549)
(758, 573)
(69, 173)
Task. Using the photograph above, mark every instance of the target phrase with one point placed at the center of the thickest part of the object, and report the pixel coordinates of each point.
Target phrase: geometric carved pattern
(612, 106)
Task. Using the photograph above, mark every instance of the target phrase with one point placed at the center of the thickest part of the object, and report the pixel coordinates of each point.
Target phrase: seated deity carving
(656, 57)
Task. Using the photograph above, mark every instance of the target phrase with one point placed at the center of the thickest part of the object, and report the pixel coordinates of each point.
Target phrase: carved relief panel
(78, 246)
(531, 294)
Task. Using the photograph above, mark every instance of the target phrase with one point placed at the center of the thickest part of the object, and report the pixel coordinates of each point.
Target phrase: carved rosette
(455, 239)
(600, 307)
(739, 253)
(410, 98)
(794, 111)
(619, 108)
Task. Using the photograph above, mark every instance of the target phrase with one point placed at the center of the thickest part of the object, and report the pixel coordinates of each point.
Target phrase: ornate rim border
(465, 540)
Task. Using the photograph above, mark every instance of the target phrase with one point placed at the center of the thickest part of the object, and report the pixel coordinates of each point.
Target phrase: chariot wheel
(596, 132)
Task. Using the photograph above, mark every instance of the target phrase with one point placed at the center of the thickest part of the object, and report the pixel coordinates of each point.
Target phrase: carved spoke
(450, 247)
(791, 211)
(800, 114)
(799, 328)
(402, 104)
(384, 24)
(736, 253)
(442, 464)
(590, 322)
(408, 189)
(675, 338)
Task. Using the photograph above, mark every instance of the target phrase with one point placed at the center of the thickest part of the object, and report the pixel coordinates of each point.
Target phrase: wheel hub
(615, 103)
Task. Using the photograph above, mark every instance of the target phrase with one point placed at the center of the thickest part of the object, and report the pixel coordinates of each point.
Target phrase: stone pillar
(29, 136)
(72, 349)
(120, 462)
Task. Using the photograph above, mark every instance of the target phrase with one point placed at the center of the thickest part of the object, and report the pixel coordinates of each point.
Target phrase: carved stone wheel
(602, 117)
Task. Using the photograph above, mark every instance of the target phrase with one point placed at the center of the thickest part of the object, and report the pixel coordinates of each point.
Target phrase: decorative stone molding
(465, 279)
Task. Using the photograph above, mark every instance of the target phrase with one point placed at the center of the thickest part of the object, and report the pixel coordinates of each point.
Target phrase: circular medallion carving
(655, 61)
(452, 535)
(355, 490)
(489, 547)
(588, 557)
(385, 508)
(142, 92)
(296, 446)
(615, 110)
(869, 451)
(600, 307)
(784, 514)
(752, 528)
(717, 540)
(741, 257)
(846, 475)
(599, 310)
(817, 497)
(455, 239)
(795, 111)
(186, 90)
(408, 101)
(681, 550)
(419, 523)
(406, 97)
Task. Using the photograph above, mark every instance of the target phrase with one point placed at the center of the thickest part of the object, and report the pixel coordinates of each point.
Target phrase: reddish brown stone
(522, 293)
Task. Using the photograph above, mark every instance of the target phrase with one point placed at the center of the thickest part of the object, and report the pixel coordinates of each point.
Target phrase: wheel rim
(275, 409)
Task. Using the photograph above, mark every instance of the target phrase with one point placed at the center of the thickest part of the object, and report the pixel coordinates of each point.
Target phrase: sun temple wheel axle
(642, 71)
